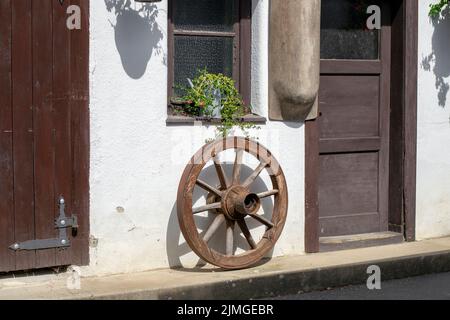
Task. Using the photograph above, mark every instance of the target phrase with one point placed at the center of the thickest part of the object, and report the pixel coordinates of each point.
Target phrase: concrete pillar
(294, 58)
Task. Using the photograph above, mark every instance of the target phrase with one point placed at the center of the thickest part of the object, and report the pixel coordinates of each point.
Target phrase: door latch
(62, 223)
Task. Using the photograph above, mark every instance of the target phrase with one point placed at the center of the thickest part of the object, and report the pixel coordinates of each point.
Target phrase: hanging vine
(215, 96)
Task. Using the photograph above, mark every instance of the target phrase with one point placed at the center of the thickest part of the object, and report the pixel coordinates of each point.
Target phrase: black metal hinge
(62, 223)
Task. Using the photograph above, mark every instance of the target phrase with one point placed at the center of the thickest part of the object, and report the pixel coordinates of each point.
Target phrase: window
(215, 35)
(343, 32)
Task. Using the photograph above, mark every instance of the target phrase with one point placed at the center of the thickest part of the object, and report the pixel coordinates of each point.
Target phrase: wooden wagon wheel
(232, 203)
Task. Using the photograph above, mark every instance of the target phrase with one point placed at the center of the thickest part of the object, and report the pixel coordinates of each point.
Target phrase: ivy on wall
(437, 8)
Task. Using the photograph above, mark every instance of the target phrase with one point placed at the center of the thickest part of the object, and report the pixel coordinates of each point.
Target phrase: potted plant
(214, 97)
(437, 8)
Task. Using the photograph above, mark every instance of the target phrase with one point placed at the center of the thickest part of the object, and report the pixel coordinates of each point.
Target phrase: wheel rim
(232, 202)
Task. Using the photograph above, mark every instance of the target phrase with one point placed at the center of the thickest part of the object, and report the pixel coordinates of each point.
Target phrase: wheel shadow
(177, 247)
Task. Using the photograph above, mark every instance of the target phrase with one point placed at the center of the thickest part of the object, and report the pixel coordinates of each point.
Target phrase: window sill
(185, 120)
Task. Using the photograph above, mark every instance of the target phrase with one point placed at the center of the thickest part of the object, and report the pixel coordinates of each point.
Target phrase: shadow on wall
(137, 34)
(177, 247)
(439, 57)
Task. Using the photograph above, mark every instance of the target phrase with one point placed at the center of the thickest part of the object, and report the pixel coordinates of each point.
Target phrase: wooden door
(43, 130)
(354, 124)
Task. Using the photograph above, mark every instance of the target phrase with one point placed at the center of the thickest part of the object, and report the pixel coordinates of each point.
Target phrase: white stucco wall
(433, 179)
(137, 160)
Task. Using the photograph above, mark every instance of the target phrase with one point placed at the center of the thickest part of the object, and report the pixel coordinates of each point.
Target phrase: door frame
(404, 62)
(81, 135)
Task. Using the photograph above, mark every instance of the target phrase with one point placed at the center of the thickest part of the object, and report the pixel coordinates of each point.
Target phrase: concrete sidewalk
(280, 276)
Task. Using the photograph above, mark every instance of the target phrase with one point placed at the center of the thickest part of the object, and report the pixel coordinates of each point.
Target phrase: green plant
(437, 8)
(213, 96)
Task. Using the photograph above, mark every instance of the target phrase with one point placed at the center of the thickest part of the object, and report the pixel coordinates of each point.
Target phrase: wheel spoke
(209, 188)
(247, 233)
(207, 207)
(213, 227)
(263, 220)
(267, 194)
(220, 173)
(230, 238)
(255, 174)
(237, 166)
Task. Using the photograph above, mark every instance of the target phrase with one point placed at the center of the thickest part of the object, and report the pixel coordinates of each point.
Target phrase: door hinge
(62, 223)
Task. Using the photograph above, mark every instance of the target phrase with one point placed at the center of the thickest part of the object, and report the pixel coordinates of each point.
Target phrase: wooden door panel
(22, 71)
(62, 114)
(348, 193)
(44, 163)
(349, 145)
(348, 184)
(349, 106)
(350, 225)
(79, 131)
(44, 130)
(6, 142)
(350, 67)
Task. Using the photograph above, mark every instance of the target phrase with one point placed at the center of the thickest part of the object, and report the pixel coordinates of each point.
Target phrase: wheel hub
(238, 202)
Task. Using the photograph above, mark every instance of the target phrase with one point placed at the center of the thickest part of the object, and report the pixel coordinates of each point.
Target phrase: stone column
(294, 59)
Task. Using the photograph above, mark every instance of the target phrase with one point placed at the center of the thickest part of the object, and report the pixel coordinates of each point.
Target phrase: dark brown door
(354, 123)
(43, 130)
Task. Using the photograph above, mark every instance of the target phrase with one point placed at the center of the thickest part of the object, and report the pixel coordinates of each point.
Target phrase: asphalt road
(429, 287)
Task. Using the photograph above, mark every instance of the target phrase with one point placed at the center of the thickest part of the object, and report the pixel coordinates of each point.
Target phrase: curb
(281, 283)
